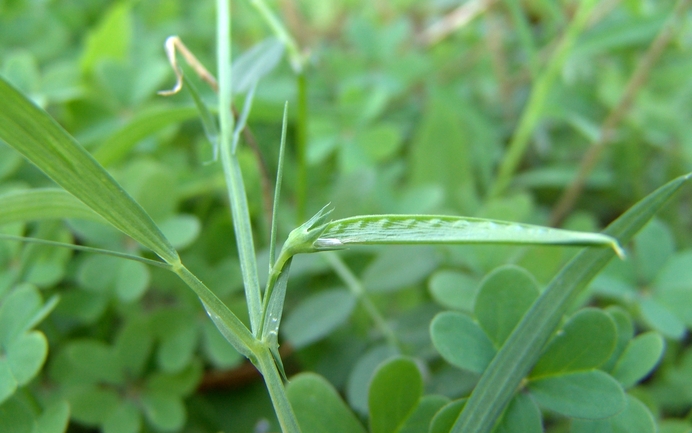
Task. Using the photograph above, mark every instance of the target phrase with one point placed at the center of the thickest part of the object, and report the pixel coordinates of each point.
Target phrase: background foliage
(398, 121)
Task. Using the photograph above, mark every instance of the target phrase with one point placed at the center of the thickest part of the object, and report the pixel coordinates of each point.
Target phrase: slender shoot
(277, 189)
(85, 249)
(231, 168)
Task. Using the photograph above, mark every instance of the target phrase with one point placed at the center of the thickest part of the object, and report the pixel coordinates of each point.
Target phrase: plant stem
(637, 80)
(234, 178)
(281, 33)
(259, 353)
(301, 146)
(112, 253)
(356, 287)
(534, 107)
(277, 392)
(239, 336)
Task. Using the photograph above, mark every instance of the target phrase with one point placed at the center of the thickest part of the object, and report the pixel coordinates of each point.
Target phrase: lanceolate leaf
(523, 347)
(427, 229)
(33, 133)
(41, 140)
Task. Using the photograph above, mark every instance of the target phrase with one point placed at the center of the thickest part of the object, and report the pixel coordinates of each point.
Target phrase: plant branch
(297, 61)
(605, 136)
(277, 392)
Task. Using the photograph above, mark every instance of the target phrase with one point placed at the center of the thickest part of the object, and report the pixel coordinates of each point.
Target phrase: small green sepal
(306, 238)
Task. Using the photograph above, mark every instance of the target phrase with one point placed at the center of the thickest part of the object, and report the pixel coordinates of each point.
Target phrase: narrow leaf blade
(33, 133)
(430, 229)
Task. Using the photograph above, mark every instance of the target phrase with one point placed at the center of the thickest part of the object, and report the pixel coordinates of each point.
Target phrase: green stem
(274, 274)
(356, 287)
(277, 392)
(281, 33)
(86, 249)
(239, 336)
(301, 146)
(234, 178)
(534, 107)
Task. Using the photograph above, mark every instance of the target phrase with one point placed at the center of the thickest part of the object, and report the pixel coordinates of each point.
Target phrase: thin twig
(636, 82)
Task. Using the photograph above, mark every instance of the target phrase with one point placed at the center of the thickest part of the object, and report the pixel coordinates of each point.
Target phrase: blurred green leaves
(394, 126)
(568, 377)
(107, 385)
(33, 133)
(319, 407)
(24, 350)
(654, 284)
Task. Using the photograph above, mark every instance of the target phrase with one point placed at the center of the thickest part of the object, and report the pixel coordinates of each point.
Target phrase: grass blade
(272, 316)
(38, 137)
(42, 203)
(429, 229)
(277, 189)
(514, 360)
